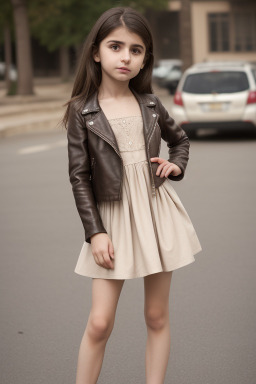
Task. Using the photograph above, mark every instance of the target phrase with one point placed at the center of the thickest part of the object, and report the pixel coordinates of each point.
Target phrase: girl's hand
(166, 167)
(102, 250)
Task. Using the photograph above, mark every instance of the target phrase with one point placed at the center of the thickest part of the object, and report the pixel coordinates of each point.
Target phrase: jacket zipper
(150, 165)
(92, 166)
(104, 138)
(159, 147)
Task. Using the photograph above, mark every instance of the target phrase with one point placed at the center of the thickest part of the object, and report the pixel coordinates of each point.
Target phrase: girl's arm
(176, 138)
(79, 174)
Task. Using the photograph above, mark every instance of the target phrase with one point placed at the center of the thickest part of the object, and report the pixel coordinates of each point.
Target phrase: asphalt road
(45, 305)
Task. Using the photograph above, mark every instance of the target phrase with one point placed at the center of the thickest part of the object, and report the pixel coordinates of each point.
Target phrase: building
(198, 30)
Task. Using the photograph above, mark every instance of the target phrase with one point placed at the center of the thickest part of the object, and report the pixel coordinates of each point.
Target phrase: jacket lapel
(149, 115)
(97, 122)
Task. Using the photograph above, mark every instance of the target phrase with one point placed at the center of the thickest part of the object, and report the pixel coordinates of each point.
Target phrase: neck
(113, 89)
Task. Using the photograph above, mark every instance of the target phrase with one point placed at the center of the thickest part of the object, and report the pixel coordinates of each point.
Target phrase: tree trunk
(23, 48)
(78, 49)
(64, 63)
(152, 19)
(185, 34)
(8, 56)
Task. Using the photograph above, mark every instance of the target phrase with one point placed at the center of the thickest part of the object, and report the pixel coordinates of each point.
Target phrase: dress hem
(143, 274)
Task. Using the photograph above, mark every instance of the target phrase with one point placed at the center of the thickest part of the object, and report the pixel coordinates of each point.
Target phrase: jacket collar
(92, 104)
(149, 116)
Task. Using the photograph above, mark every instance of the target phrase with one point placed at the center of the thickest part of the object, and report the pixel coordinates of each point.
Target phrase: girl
(135, 224)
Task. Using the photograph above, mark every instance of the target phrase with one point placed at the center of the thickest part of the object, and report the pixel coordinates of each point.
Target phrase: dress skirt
(150, 234)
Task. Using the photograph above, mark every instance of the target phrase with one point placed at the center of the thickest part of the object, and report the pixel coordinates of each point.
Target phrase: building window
(245, 32)
(219, 27)
(234, 32)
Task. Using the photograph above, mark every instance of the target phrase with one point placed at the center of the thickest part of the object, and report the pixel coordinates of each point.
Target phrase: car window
(176, 68)
(219, 82)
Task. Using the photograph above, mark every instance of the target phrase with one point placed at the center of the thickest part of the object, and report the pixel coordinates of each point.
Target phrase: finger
(102, 261)
(107, 260)
(96, 259)
(160, 167)
(167, 171)
(110, 263)
(157, 159)
(164, 170)
(111, 251)
(174, 169)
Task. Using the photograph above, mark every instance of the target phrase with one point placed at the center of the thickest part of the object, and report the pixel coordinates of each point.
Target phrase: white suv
(216, 95)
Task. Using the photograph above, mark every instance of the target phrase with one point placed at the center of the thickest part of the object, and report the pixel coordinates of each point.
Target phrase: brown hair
(88, 73)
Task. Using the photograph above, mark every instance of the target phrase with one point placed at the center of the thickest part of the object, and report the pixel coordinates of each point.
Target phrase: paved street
(45, 305)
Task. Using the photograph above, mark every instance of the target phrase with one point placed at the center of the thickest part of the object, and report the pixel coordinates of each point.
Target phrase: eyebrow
(121, 42)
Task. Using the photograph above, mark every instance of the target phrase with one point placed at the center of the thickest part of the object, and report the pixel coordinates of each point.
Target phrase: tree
(6, 24)
(61, 24)
(23, 47)
(185, 34)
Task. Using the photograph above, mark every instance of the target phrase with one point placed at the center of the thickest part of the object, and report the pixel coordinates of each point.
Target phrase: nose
(126, 57)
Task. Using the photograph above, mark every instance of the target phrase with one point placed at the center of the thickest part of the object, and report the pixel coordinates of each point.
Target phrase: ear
(144, 61)
(96, 58)
(96, 55)
(143, 64)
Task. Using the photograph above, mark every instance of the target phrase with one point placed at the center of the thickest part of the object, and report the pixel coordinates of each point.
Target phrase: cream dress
(150, 234)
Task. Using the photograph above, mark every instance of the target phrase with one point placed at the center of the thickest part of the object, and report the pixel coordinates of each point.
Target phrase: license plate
(215, 106)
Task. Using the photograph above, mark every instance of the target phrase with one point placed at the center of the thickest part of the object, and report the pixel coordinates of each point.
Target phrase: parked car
(12, 71)
(167, 74)
(220, 95)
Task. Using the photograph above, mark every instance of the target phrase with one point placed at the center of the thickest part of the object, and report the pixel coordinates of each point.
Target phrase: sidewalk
(40, 112)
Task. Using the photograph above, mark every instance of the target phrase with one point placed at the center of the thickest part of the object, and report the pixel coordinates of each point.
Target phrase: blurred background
(41, 42)
(205, 75)
(51, 33)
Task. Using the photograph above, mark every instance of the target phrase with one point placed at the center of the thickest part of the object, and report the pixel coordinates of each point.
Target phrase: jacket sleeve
(79, 174)
(176, 138)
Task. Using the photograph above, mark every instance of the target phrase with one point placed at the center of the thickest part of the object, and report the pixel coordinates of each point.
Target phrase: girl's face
(121, 55)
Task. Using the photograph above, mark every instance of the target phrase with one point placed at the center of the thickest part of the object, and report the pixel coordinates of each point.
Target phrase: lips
(124, 69)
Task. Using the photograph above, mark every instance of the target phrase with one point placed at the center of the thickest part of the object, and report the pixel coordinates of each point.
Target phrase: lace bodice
(128, 132)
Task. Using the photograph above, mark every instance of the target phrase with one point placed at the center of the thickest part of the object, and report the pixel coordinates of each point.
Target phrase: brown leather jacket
(95, 163)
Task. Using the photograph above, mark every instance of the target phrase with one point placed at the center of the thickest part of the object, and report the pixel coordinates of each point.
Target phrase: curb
(37, 113)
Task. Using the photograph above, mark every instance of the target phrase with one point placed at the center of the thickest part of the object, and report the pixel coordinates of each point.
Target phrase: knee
(99, 327)
(156, 318)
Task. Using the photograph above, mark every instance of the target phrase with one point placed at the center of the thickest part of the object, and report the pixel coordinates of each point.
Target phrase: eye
(136, 51)
(114, 46)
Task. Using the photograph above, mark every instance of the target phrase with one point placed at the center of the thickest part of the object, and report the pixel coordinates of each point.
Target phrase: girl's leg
(156, 311)
(105, 295)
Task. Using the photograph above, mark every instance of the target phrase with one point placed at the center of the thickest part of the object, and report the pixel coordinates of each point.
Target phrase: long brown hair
(88, 73)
